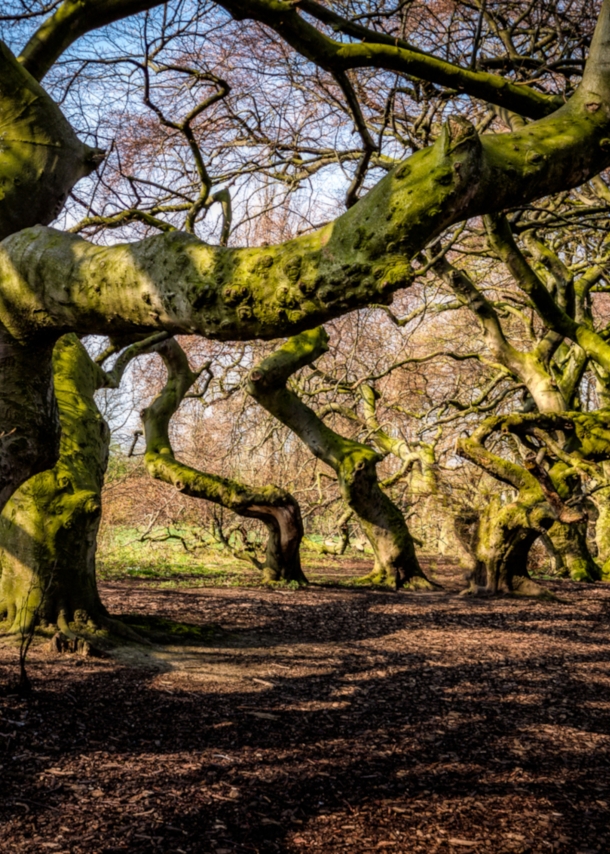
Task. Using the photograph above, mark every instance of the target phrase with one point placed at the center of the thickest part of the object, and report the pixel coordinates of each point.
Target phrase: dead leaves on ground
(323, 720)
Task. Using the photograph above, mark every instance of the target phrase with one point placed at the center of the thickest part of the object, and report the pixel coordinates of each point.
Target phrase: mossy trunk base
(573, 558)
(48, 529)
(504, 538)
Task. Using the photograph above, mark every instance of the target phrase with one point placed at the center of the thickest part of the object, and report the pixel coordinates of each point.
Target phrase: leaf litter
(324, 719)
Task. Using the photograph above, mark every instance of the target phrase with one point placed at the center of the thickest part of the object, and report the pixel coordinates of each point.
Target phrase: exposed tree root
(521, 586)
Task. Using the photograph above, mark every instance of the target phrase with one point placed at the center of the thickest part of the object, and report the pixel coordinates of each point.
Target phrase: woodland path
(326, 720)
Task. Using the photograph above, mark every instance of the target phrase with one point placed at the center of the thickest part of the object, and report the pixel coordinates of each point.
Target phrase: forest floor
(329, 719)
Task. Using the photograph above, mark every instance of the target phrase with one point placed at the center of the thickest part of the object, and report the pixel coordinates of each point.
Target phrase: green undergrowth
(166, 563)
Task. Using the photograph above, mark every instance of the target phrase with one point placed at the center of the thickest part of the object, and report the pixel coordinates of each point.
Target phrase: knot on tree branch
(458, 131)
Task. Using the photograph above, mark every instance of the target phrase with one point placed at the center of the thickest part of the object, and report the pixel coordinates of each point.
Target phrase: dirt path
(322, 720)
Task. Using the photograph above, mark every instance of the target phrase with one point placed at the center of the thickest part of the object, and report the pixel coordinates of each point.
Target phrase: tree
(53, 282)
(48, 528)
(274, 507)
(354, 463)
(173, 282)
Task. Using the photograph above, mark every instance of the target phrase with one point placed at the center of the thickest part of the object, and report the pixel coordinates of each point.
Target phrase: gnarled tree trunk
(506, 532)
(48, 529)
(574, 560)
(601, 502)
(504, 539)
(274, 507)
(355, 464)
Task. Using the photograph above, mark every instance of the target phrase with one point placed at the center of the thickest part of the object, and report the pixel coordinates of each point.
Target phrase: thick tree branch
(72, 20)
(35, 140)
(550, 311)
(275, 507)
(176, 282)
(353, 462)
(377, 50)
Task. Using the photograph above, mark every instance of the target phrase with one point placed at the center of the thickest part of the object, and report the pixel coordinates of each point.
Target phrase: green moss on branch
(41, 158)
(48, 529)
(354, 463)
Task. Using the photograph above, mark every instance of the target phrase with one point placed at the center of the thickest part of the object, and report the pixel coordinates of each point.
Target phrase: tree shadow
(394, 720)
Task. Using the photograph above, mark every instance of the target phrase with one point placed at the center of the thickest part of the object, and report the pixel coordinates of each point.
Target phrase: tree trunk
(285, 532)
(570, 545)
(507, 532)
(29, 439)
(48, 529)
(466, 525)
(274, 507)
(601, 500)
(355, 464)
(384, 525)
(505, 536)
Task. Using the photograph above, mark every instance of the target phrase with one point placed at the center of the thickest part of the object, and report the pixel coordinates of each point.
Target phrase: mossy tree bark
(52, 283)
(506, 532)
(505, 537)
(574, 557)
(274, 507)
(48, 528)
(551, 371)
(354, 463)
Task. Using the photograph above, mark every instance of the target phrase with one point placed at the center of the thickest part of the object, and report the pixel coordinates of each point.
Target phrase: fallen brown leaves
(321, 720)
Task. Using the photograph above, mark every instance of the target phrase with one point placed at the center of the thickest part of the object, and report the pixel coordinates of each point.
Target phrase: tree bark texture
(48, 529)
(506, 532)
(570, 545)
(505, 537)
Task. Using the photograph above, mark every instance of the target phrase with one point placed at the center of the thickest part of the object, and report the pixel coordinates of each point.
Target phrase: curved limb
(274, 507)
(354, 463)
(36, 140)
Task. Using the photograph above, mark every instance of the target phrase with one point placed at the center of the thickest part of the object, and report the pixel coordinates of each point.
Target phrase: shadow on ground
(321, 720)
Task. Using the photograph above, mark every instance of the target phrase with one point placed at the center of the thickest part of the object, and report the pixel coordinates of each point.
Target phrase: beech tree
(353, 462)
(54, 282)
(49, 525)
(274, 507)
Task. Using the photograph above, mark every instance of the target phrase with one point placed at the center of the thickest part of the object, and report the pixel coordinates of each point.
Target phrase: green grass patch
(167, 564)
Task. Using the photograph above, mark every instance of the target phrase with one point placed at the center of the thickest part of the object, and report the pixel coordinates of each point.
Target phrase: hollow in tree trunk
(504, 538)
